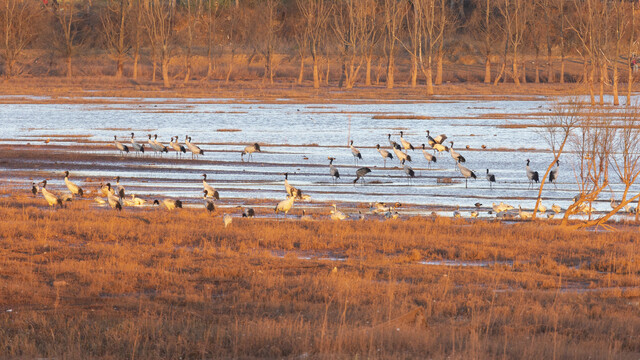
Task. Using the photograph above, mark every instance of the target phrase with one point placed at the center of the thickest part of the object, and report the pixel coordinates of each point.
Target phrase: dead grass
(84, 283)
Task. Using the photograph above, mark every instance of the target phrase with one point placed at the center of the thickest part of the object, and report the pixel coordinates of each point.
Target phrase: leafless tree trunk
(316, 15)
(113, 24)
(191, 15)
(629, 65)
(159, 24)
(393, 12)
(67, 20)
(442, 24)
(18, 30)
(211, 19)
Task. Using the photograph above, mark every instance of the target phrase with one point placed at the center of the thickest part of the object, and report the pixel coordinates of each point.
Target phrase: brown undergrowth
(84, 282)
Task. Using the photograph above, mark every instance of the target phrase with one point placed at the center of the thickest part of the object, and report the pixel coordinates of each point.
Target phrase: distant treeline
(351, 41)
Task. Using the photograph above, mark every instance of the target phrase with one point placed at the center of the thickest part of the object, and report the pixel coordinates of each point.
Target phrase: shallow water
(298, 138)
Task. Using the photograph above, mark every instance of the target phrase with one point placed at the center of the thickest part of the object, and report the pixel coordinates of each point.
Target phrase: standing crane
(120, 146)
(405, 144)
(491, 178)
(355, 152)
(532, 175)
(553, 174)
(385, 154)
(360, 174)
(430, 158)
(466, 173)
(335, 174)
(250, 149)
(73, 188)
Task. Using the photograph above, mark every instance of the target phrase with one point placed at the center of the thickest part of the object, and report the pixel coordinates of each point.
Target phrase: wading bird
(285, 205)
(195, 150)
(249, 150)
(136, 147)
(524, 215)
(171, 204)
(405, 144)
(211, 192)
(52, 199)
(400, 155)
(466, 173)
(73, 188)
(491, 178)
(248, 213)
(531, 175)
(119, 188)
(161, 148)
(385, 154)
(408, 170)
(360, 174)
(177, 147)
(291, 191)
(208, 203)
(553, 174)
(335, 174)
(120, 146)
(355, 152)
(455, 155)
(430, 158)
(227, 219)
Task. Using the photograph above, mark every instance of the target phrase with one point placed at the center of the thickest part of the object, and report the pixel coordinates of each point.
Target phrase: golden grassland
(87, 282)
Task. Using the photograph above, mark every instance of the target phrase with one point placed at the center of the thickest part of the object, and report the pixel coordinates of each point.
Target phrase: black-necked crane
(208, 203)
(392, 143)
(161, 148)
(337, 214)
(291, 191)
(248, 213)
(138, 148)
(408, 170)
(355, 152)
(491, 178)
(211, 192)
(119, 188)
(466, 173)
(52, 199)
(455, 155)
(335, 174)
(195, 150)
(360, 174)
(429, 157)
(400, 155)
(227, 219)
(106, 189)
(531, 175)
(385, 154)
(553, 174)
(249, 150)
(171, 204)
(73, 188)
(115, 202)
(120, 146)
(285, 205)
(405, 144)
(153, 145)
(175, 145)
(431, 141)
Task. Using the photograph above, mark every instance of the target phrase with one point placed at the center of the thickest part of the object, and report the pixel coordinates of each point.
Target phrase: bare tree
(113, 23)
(137, 24)
(159, 25)
(192, 13)
(18, 31)
(632, 37)
(316, 15)
(393, 11)
(235, 33)
(67, 31)
(269, 22)
(443, 21)
(210, 19)
(515, 14)
(556, 131)
(349, 27)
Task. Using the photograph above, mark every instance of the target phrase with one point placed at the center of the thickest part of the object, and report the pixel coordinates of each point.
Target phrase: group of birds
(115, 196)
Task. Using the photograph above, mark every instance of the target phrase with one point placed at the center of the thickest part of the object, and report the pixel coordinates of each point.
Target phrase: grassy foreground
(83, 282)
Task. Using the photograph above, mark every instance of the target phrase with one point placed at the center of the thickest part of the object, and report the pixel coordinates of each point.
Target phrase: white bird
(400, 155)
(378, 207)
(542, 208)
(532, 175)
(524, 215)
(440, 148)
(466, 173)
(227, 219)
(491, 178)
(501, 207)
(52, 199)
(455, 155)
(430, 158)
(553, 174)
(208, 203)
(405, 144)
(474, 214)
(335, 174)
(120, 146)
(73, 188)
(250, 149)
(385, 154)
(285, 205)
(137, 201)
(119, 188)
(337, 214)
(136, 147)
(107, 189)
(211, 192)
(171, 204)
(195, 150)
(360, 174)
(177, 147)
(355, 152)
(100, 200)
(556, 209)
